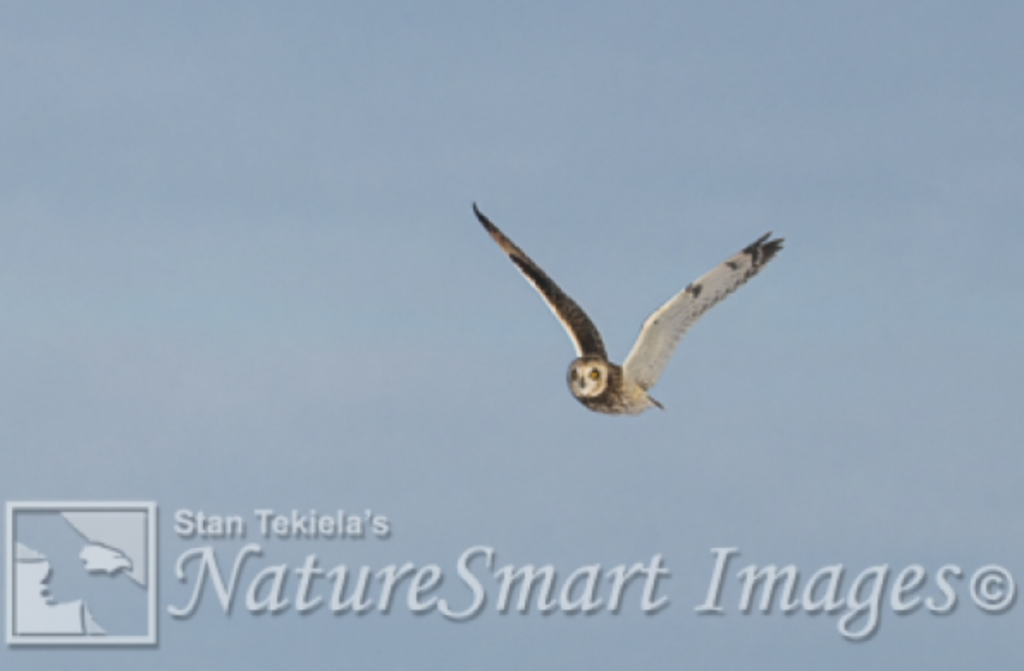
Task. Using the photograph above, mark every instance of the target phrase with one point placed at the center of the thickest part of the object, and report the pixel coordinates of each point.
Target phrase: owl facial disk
(587, 378)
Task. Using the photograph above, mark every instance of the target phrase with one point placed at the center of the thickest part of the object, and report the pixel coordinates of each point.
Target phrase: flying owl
(603, 386)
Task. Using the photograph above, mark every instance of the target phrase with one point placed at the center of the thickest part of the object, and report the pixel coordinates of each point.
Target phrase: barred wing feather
(663, 330)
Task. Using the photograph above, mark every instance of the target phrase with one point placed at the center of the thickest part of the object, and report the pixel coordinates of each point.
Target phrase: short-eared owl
(595, 381)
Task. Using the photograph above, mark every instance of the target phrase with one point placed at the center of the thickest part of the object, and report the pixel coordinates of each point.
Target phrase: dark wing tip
(762, 250)
(771, 248)
(506, 245)
(491, 228)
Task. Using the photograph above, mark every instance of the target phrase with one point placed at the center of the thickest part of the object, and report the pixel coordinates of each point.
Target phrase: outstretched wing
(664, 329)
(577, 324)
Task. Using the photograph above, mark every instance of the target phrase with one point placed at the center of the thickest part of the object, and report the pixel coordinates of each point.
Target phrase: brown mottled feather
(576, 322)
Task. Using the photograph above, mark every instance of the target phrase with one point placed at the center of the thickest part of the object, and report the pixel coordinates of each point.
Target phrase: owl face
(588, 377)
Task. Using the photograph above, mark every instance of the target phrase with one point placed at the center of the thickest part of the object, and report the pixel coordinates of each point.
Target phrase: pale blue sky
(239, 269)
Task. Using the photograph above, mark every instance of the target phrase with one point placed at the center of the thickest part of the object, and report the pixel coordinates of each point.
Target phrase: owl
(603, 386)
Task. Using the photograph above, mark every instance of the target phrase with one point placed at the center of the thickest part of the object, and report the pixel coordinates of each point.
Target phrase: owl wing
(577, 324)
(664, 329)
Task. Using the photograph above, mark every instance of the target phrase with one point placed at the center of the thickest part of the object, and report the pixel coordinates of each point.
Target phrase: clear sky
(239, 270)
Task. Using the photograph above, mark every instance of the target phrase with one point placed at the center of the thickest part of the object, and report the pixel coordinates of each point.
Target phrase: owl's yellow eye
(594, 374)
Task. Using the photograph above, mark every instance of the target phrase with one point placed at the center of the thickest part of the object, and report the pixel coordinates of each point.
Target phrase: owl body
(603, 386)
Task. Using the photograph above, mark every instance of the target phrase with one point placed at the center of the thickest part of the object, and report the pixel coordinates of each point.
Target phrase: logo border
(147, 639)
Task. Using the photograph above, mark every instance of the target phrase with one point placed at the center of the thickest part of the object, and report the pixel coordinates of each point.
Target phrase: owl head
(588, 376)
